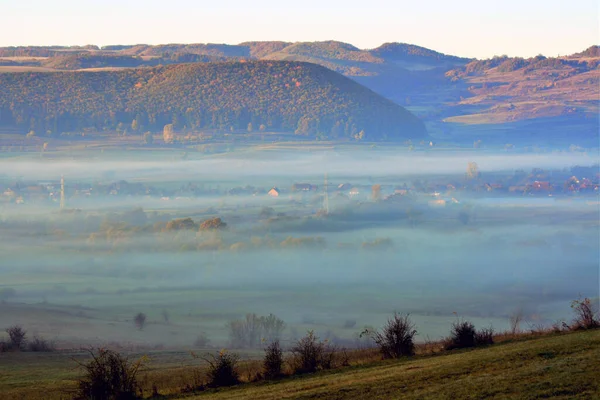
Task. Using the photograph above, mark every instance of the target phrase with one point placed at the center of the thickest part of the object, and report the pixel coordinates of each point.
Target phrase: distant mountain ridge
(303, 98)
(538, 94)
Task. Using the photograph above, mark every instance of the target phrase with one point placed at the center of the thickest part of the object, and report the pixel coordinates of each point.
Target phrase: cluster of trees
(83, 61)
(509, 64)
(279, 96)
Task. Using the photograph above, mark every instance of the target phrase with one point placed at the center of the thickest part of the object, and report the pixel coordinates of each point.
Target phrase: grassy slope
(556, 366)
(560, 366)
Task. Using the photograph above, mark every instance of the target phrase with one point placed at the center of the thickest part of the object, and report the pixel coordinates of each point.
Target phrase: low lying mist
(197, 243)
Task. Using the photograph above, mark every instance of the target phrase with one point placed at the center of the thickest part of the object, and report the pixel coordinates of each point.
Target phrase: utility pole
(62, 192)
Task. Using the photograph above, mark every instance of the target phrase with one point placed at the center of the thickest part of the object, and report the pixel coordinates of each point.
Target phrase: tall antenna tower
(62, 192)
(326, 199)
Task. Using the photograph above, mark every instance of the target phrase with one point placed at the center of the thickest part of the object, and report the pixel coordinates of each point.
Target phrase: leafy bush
(222, 369)
(140, 321)
(109, 375)
(396, 338)
(212, 224)
(273, 361)
(462, 335)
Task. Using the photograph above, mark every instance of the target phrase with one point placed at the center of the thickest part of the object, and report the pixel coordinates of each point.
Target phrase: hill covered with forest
(502, 99)
(298, 97)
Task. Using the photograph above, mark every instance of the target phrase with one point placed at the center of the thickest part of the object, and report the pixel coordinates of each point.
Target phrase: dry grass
(557, 366)
(51, 375)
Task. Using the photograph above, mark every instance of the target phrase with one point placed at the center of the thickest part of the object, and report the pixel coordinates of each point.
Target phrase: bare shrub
(253, 330)
(559, 326)
(396, 337)
(109, 375)
(484, 336)
(273, 327)
(39, 344)
(537, 328)
(462, 335)
(17, 336)
(222, 369)
(586, 314)
(273, 361)
(310, 354)
(140, 321)
(515, 321)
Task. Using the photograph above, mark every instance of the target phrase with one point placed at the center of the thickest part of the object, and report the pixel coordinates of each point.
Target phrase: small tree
(17, 336)
(273, 361)
(109, 375)
(396, 338)
(472, 170)
(376, 192)
(310, 354)
(463, 217)
(272, 328)
(148, 138)
(515, 321)
(140, 321)
(168, 135)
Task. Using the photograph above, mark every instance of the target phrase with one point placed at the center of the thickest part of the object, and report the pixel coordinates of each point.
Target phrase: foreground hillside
(562, 367)
(262, 95)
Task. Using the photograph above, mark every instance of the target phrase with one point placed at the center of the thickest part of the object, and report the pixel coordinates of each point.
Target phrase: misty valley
(332, 239)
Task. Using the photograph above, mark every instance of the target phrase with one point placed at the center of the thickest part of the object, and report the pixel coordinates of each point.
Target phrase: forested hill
(298, 97)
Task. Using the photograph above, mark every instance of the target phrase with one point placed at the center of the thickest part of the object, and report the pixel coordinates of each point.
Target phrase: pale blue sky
(462, 27)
